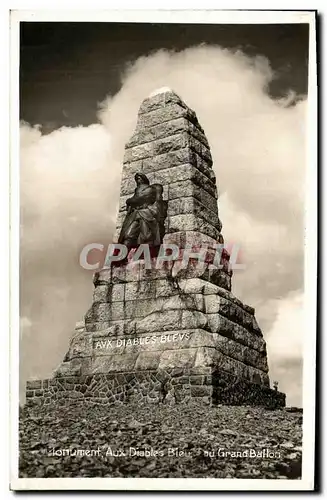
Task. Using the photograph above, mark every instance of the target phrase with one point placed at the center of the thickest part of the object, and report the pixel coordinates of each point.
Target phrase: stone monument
(166, 331)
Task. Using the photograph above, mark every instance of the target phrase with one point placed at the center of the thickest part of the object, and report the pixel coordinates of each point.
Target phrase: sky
(81, 85)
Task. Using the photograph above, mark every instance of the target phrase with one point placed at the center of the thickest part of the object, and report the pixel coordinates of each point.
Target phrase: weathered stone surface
(156, 271)
(190, 239)
(98, 326)
(184, 358)
(165, 320)
(81, 346)
(181, 339)
(114, 363)
(200, 391)
(165, 288)
(119, 387)
(208, 356)
(148, 360)
(171, 270)
(193, 319)
(80, 325)
(220, 324)
(170, 175)
(158, 116)
(166, 129)
(190, 205)
(161, 146)
(202, 163)
(100, 312)
(114, 328)
(183, 269)
(161, 100)
(166, 145)
(190, 222)
(215, 303)
(33, 384)
(181, 189)
(183, 156)
(117, 292)
(102, 293)
(69, 368)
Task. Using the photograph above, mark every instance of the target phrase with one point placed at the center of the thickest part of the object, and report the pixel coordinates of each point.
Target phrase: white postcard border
(195, 484)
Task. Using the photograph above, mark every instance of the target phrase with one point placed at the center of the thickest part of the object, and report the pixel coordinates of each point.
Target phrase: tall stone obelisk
(167, 332)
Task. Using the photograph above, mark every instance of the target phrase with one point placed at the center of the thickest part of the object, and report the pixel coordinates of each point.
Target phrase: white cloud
(285, 338)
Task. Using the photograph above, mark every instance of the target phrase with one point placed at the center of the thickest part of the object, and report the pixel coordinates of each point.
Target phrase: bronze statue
(146, 214)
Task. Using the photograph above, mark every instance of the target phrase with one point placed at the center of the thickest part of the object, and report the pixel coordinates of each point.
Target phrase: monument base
(170, 386)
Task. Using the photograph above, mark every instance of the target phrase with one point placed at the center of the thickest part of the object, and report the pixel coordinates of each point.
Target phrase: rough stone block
(165, 129)
(153, 166)
(207, 356)
(202, 164)
(80, 325)
(165, 320)
(102, 293)
(185, 188)
(140, 290)
(192, 319)
(165, 288)
(115, 274)
(158, 147)
(165, 161)
(130, 308)
(171, 175)
(231, 311)
(117, 311)
(102, 312)
(156, 271)
(192, 239)
(160, 101)
(191, 222)
(160, 115)
(200, 391)
(98, 326)
(81, 346)
(68, 368)
(148, 360)
(117, 292)
(196, 379)
(190, 205)
(197, 286)
(173, 332)
(182, 357)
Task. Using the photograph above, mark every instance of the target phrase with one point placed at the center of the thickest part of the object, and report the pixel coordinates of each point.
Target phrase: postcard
(164, 250)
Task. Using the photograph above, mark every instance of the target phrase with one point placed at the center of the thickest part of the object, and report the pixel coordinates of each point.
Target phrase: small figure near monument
(146, 214)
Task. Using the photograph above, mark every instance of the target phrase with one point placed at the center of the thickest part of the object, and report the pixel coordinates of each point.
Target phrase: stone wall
(169, 386)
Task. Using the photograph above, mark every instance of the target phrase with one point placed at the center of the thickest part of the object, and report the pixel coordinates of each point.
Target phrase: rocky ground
(160, 441)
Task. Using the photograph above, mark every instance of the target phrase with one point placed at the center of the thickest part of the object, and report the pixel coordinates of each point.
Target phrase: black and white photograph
(163, 197)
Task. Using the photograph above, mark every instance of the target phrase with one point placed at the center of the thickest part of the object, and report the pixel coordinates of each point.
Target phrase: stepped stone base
(104, 352)
(170, 386)
(151, 337)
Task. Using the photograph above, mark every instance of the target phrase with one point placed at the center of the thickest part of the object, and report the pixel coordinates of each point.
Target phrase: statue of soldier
(146, 213)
